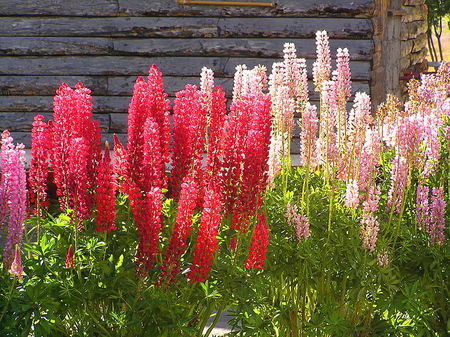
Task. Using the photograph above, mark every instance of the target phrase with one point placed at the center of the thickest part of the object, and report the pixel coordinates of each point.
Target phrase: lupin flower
(399, 183)
(253, 181)
(260, 241)
(78, 185)
(182, 229)
(16, 266)
(14, 194)
(342, 92)
(352, 194)
(207, 85)
(369, 223)
(383, 258)
(217, 119)
(72, 119)
(274, 162)
(208, 231)
(149, 219)
(190, 120)
(322, 66)
(422, 206)
(153, 161)
(70, 260)
(238, 82)
(120, 173)
(300, 221)
(106, 195)
(308, 136)
(38, 173)
(436, 227)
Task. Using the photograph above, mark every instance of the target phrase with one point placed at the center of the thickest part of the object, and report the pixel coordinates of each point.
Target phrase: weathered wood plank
(109, 27)
(337, 28)
(59, 7)
(178, 27)
(336, 8)
(121, 65)
(55, 46)
(23, 121)
(47, 85)
(360, 50)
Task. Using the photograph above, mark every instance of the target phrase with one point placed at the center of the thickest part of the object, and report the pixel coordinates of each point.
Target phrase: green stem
(13, 284)
(330, 216)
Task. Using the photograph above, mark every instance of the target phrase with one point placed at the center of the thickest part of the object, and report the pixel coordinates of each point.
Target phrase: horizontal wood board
(185, 27)
(336, 8)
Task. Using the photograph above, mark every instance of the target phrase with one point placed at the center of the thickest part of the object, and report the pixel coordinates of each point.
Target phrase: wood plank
(59, 7)
(121, 65)
(109, 27)
(360, 50)
(232, 47)
(324, 8)
(47, 85)
(337, 28)
(55, 46)
(23, 121)
(178, 27)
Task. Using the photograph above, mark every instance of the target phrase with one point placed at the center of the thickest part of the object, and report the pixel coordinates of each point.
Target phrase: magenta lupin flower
(14, 186)
(422, 206)
(399, 183)
(369, 161)
(16, 266)
(436, 227)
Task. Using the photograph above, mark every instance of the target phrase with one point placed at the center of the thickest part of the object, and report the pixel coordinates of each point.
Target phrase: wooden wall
(106, 44)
